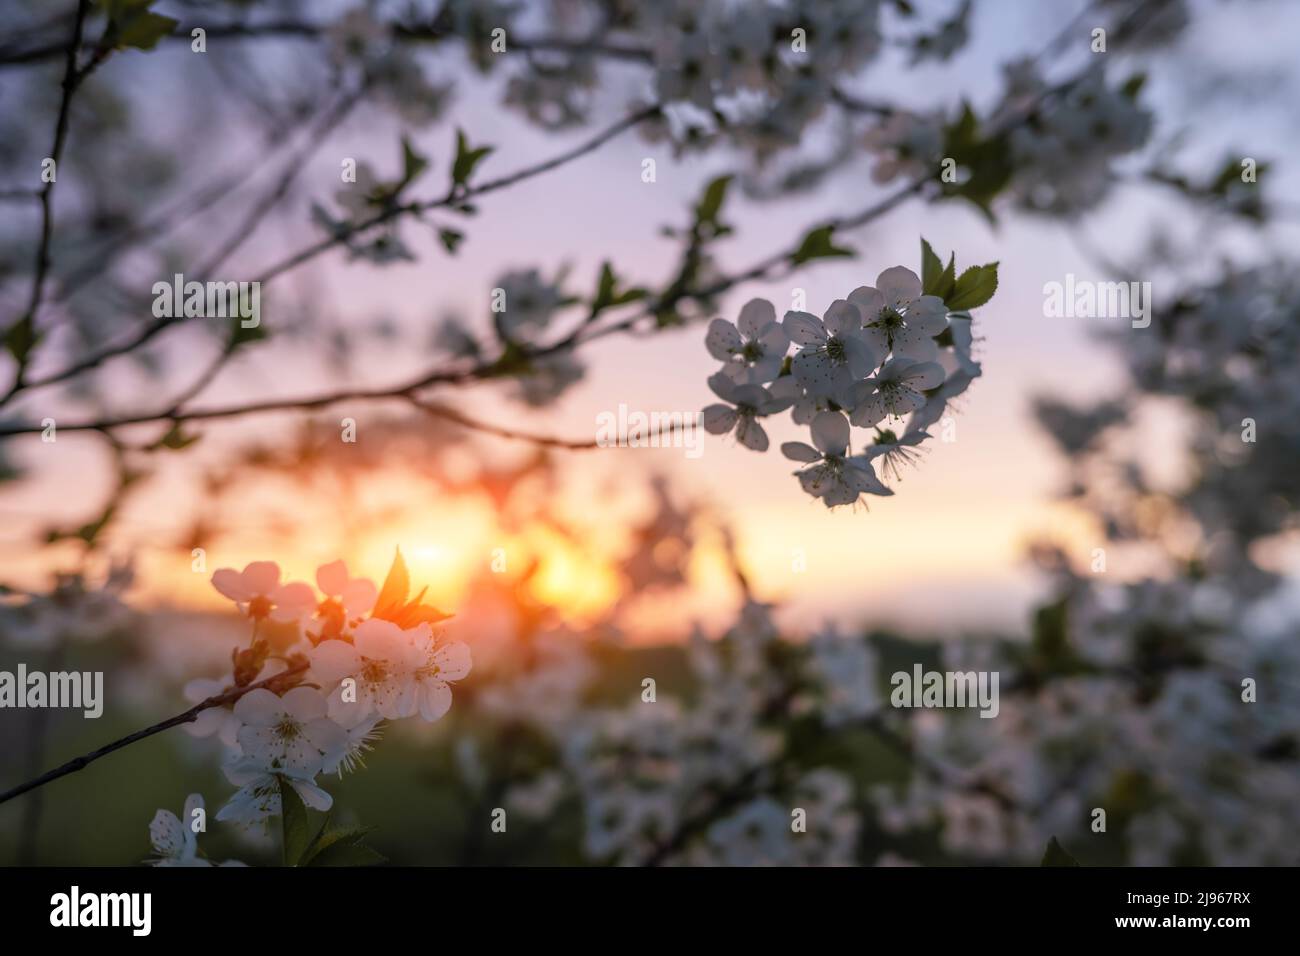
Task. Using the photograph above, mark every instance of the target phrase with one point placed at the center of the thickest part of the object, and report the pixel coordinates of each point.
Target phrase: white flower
(360, 736)
(547, 377)
(898, 318)
(898, 388)
(685, 68)
(745, 52)
(220, 721)
(758, 834)
(527, 304)
(845, 669)
(753, 353)
(750, 401)
(834, 355)
(362, 198)
(258, 592)
(258, 796)
(347, 599)
(289, 731)
(893, 451)
(356, 595)
(381, 660)
(834, 478)
(356, 34)
(174, 840)
(907, 144)
(440, 664)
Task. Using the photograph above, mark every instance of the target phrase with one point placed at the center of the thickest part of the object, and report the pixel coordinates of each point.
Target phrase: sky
(945, 553)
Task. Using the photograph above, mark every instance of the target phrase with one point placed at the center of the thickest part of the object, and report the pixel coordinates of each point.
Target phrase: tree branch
(189, 716)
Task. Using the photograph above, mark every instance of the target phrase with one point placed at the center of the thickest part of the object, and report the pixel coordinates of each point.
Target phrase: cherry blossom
(440, 664)
(833, 477)
(750, 402)
(897, 389)
(898, 318)
(754, 348)
(381, 661)
(258, 592)
(174, 840)
(834, 353)
(289, 731)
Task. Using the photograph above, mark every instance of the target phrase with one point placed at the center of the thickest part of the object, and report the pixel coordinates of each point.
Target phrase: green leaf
(392, 596)
(348, 854)
(608, 294)
(413, 164)
(341, 846)
(295, 824)
(936, 278)
(241, 334)
(466, 159)
(21, 338)
(176, 438)
(1056, 855)
(715, 194)
(392, 604)
(144, 30)
(986, 159)
(131, 24)
(974, 288)
(451, 239)
(931, 269)
(819, 244)
(1133, 85)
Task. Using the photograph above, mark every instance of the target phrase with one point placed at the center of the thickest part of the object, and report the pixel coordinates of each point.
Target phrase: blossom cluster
(355, 656)
(1064, 155)
(708, 781)
(886, 352)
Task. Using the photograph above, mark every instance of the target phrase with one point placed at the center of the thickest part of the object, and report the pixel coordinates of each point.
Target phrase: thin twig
(148, 332)
(72, 77)
(189, 716)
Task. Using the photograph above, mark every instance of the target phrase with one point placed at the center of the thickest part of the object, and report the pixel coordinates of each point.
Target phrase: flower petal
(842, 318)
(869, 411)
(259, 708)
(830, 433)
(912, 343)
(899, 286)
(334, 660)
(719, 419)
(167, 834)
(814, 370)
(434, 699)
(722, 340)
(332, 578)
(359, 597)
(230, 583)
(869, 302)
(261, 577)
(804, 328)
(751, 434)
(754, 315)
(928, 314)
(924, 375)
(454, 660)
(798, 451)
(304, 703)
